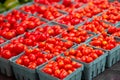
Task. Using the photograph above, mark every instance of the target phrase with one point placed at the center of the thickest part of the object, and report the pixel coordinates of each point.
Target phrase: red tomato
(72, 52)
(98, 52)
(57, 73)
(48, 70)
(20, 30)
(19, 61)
(32, 57)
(6, 54)
(32, 65)
(28, 51)
(70, 71)
(94, 55)
(86, 51)
(61, 67)
(76, 65)
(78, 53)
(68, 44)
(19, 47)
(67, 60)
(89, 59)
(83, 58)
(61, 63)
(63, 73)
(40, 61)
(68, 66)
(26, 61)
(39, 55)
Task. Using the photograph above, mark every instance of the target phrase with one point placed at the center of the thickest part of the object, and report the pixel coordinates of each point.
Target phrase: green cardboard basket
(76, 75)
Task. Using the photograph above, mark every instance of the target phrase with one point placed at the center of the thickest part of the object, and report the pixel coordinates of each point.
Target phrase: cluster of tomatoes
(106, 42)
(114, 31)
(112, 15)
(16, 23)
(72, 19)
(95, 26)
(55, 45)
(68, 7)
(89, 11)
(76, 35)
(46, 2)
(34, 38)
(84, 53)
(47, 12)
(39, 35)
(25, 33)
(33, 57)
(12, 49)
(61, 67)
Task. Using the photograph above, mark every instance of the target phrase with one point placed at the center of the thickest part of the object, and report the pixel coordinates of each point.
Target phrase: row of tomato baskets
(29, 16)
(43, 42)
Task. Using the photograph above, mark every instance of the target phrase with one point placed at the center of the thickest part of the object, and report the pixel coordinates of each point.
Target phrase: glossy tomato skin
(67, 60)
(94, 55)
(19, 47)
(9, 35)
(99, 52)
(48, 70)
(57, 73)
(26, 62)
(40, 61)
(32, 57)
(6, 54)
(9, 47)
(72, 52)
(112, 30)
(63, 74)
(89, 59)
(76, 65)
(32, 65)
(61, 63)
(20, 30)
(19, 61)
(68, 66)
